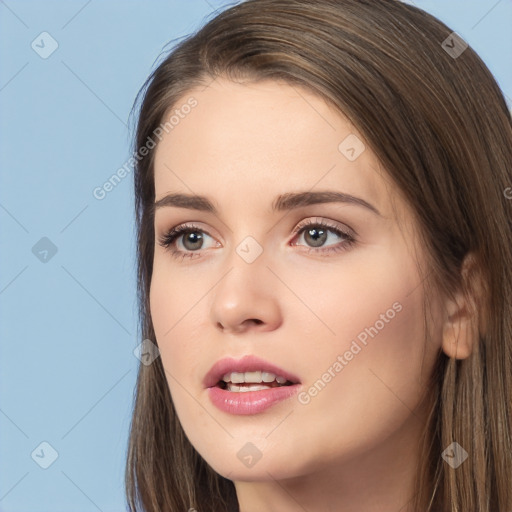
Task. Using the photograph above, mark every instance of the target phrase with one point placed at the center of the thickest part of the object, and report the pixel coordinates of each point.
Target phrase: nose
(247, 298)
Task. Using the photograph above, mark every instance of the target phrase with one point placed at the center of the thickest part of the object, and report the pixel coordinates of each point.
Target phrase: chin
(270, 466)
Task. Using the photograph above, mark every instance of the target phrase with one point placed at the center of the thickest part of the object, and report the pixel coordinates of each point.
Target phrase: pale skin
(354, 446)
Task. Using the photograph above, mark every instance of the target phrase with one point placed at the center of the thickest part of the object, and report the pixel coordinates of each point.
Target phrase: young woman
(323, 198)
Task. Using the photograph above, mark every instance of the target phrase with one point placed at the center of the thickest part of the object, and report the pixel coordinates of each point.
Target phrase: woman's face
(335, 308)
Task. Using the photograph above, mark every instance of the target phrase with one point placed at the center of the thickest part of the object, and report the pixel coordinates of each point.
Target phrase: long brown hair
(438, 123)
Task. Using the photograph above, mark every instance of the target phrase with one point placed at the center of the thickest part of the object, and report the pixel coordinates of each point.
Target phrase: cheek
(384, 316)
(371, 297)
(174, 304)
(376, 354)
(178, 318)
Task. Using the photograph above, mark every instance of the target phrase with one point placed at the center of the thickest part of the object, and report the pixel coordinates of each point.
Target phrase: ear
(465, 320)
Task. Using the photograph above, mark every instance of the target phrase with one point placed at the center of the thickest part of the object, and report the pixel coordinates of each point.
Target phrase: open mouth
(249, 385)
(238, 382)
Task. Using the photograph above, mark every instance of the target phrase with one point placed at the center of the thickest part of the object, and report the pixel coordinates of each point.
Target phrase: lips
(246, 364)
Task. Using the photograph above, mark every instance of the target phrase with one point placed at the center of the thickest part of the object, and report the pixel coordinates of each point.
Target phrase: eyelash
(167, 240)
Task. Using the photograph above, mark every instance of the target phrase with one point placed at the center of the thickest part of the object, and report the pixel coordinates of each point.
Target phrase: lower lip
(250, 402)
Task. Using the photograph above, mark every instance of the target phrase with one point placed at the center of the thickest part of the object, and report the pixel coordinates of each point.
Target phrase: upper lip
(247, 363)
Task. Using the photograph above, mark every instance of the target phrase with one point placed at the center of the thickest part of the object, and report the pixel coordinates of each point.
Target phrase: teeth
(268, 377)
(244, 389)
(237, 377)
(252, 377)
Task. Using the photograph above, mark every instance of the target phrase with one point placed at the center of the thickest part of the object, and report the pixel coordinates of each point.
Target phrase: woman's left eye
(317, 233)
(312, 232)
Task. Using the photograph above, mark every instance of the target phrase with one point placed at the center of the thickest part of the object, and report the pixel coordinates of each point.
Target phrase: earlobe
(464, 320)
(458, 336)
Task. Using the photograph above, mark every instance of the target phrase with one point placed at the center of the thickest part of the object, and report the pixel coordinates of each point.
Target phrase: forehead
(253, 141)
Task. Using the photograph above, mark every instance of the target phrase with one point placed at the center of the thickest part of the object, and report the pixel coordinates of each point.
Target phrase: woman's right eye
(192, 238)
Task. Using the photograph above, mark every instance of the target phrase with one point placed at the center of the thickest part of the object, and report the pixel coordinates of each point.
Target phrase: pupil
(194, 238)
(318, 240)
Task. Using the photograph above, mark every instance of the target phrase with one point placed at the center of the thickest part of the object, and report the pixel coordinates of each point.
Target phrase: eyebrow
(284, 202)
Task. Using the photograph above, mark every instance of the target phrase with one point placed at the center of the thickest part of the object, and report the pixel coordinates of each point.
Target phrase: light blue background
(68, 326)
